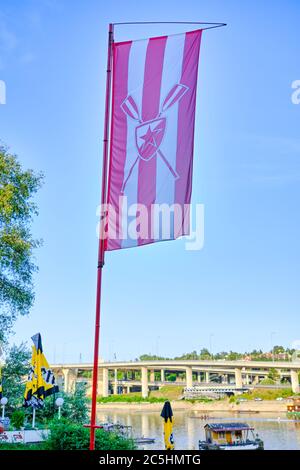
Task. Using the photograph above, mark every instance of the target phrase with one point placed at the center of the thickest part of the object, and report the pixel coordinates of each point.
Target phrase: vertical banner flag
(41, 381)
(152, 139)
(167, 415)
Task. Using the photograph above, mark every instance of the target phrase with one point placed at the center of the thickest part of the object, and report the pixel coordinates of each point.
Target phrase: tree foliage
(17, 209)
(66, 435)
(205, 354)
(273, 374)
(75, 407)
(14, 373)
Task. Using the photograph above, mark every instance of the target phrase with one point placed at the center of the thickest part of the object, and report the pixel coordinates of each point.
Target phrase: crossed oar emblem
(149, 134)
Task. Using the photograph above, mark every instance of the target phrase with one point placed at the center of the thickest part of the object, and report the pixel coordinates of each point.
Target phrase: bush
(172, 377)
(17, 419)
(65, 435)
(75, 407)
(267, 381)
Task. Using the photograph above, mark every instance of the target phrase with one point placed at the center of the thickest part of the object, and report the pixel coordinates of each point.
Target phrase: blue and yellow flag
(167, 415)
(41, 381)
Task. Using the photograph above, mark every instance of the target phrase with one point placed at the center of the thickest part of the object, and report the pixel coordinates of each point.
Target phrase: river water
(277, 433)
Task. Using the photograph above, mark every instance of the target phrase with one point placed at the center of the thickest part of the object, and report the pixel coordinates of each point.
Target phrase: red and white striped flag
(152, 139)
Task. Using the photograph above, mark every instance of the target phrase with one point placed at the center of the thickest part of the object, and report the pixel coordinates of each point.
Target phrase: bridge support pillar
(189, 377)
(238, 378)
(66, 373)
(70, 376)
(105, 382)
(162, 375)
(144, 382)
(116, 382)
(224, 379)
(199, 377)
(207, 377)
(152, 376)
(295, 381)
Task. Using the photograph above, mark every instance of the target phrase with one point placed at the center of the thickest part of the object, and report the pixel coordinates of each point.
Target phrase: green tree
(17, 187)
(273, 374)
(256, 353)
(14, 373)
(233, 356)
(75, 407)
(221, 355)
(205, 354)
(189, 356)
(278, 350)
(151, 357)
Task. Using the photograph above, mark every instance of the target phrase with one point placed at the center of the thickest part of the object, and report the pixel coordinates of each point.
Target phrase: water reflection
(277, 433)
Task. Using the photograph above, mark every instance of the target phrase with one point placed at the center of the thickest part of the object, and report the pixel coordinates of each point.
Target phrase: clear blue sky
(162, 299)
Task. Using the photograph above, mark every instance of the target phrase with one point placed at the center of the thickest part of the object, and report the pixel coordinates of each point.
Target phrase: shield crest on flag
(149, 136)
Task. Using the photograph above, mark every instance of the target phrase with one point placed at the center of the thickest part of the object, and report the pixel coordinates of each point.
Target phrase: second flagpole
(101, 250)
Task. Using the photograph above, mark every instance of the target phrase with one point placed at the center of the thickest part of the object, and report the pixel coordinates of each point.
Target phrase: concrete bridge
(123, 377)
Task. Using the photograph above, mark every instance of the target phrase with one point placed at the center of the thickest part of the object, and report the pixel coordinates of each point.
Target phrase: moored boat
(230, 436)
(144, 440)
(293, 409)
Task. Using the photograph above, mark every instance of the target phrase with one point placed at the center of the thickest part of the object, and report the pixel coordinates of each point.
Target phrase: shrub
(65, 435)
(17, 419)
(172, 377)
(267, 381)
(75, 407)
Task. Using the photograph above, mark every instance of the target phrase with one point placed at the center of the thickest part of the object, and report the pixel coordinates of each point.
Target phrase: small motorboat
(144, 440)
(199, 416)
(230, 436)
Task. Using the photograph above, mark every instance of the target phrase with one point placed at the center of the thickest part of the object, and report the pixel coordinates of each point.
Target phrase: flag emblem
(149, 137)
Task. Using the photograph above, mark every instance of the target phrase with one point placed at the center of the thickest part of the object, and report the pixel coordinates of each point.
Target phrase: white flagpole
(33, 417)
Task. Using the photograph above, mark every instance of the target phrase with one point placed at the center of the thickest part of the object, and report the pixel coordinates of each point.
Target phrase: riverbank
(251, 406)
(275, 429)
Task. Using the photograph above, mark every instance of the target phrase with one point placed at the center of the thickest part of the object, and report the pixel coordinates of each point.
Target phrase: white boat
(230, 436)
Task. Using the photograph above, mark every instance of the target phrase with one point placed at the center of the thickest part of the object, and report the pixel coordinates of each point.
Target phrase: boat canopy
(221, 427)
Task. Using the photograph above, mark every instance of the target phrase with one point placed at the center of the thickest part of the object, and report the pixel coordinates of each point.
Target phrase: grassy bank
(174, 393)
(267, 394)
(130, 398)
(167, 392)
